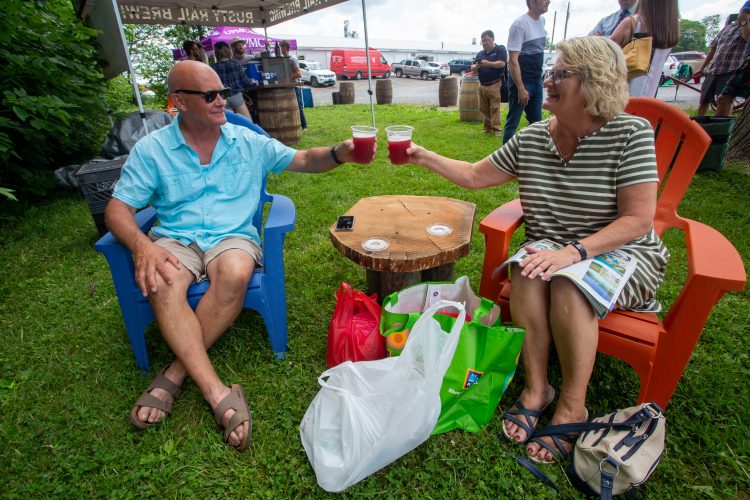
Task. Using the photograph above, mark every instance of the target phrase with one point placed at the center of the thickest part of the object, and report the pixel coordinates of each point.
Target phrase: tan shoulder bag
(637, 54)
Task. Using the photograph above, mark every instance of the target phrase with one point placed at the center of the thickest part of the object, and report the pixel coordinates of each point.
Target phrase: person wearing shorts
(725, 56)
(203, 176)
(739, 84)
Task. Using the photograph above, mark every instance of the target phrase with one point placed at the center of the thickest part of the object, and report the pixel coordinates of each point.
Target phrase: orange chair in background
(657, 350)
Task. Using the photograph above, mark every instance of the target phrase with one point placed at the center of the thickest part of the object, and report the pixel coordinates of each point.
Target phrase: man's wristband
(581, 249)
(335, 158)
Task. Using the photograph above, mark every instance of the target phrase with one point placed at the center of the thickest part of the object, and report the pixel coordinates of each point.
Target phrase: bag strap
(632, 28)
(646, 413)
(524, 461)
(483, 309)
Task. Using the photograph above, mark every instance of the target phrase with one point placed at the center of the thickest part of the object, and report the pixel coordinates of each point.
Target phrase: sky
(458, 21)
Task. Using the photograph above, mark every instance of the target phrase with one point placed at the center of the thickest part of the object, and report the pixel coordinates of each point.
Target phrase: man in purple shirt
(203, 176)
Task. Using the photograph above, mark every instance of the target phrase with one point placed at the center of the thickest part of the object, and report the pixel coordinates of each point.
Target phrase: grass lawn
(68, 377)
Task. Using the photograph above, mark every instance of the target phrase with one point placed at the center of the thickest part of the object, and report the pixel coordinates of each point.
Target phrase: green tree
(51, 93)
(151, 47)
(713, 26)
(692, 36)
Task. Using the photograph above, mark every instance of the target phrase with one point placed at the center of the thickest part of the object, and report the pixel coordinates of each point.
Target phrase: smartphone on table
(345, 223)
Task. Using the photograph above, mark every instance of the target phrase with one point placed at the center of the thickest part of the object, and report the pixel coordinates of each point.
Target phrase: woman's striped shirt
(568, 201)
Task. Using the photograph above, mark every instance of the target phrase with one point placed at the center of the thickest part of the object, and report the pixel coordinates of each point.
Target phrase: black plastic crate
(97, 180)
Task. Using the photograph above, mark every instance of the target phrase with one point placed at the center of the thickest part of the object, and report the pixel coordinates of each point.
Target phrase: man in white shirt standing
(607, 25)
(526, 40)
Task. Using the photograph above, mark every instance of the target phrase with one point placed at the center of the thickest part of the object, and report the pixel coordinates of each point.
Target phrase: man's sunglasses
(208, 95)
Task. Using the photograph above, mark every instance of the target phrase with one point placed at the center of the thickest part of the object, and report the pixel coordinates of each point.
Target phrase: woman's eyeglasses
(208, 95)
(558, 75)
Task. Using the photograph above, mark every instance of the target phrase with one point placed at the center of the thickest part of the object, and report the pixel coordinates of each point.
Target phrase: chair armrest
(282, 216)
(144, 219)
(498, 228)
(714, 267)
(280, 220)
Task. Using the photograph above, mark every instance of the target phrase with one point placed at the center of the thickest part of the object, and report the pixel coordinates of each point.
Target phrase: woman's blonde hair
(604, 75)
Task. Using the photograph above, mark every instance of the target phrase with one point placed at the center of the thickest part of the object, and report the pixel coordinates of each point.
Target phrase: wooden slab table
(421, 238)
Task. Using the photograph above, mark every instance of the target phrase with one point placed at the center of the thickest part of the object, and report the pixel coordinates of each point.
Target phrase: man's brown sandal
(235, 400)
(149, 400)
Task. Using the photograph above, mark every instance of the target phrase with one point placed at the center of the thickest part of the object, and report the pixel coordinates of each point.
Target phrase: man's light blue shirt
(201, 203)
(608, 24)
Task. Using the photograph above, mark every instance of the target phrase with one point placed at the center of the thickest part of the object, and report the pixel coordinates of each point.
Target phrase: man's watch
(334, 157)
(581, 249)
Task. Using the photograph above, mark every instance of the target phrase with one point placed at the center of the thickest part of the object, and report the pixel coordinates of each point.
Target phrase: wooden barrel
(279, 114)
(448, 92)
(346, 89)
(384, 91)
(468, 99)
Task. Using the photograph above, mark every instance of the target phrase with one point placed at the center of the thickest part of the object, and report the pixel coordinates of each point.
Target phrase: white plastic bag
(369, 413)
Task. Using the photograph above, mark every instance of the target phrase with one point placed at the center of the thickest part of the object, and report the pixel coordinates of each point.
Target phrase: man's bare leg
(190, 334)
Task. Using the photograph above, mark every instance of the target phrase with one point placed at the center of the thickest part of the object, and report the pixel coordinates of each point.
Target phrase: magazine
(601, 279)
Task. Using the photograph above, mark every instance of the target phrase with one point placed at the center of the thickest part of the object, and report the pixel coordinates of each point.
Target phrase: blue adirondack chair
(266, 292)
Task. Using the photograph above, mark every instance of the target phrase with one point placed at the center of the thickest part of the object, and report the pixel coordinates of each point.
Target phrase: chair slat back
(680, 146)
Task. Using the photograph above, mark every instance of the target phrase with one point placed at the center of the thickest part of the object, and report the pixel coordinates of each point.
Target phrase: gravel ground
(414, 90)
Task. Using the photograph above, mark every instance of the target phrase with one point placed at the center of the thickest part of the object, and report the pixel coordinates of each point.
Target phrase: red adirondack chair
(657, 350)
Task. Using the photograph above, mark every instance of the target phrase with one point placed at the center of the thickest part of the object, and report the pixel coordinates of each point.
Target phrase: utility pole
(554, 21)
(567, 16)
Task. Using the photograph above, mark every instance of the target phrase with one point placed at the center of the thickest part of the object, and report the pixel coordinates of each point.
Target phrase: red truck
(352, 63)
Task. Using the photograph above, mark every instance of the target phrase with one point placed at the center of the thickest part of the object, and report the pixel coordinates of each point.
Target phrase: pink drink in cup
(399, 140)
(364, 143)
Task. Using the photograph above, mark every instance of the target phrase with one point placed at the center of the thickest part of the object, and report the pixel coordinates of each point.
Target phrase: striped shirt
(569, 201)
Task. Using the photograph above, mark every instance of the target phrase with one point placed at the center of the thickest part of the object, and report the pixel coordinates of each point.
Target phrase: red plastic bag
(354, 332)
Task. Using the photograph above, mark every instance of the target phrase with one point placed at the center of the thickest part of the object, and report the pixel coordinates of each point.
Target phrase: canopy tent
(109, 15)
(254, 42)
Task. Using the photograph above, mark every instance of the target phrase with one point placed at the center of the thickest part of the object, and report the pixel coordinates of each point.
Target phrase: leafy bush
(52, 102)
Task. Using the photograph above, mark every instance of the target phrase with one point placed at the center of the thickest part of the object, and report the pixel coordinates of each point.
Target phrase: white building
(318, 48)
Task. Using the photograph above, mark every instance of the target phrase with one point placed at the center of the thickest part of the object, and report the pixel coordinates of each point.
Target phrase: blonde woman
(587, 179)
(660, 20)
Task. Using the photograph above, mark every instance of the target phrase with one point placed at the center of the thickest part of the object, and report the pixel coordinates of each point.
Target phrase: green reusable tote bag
(482, 368)
(486, 356)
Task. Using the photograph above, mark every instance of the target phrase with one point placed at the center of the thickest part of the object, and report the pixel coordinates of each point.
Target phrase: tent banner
(202, 13)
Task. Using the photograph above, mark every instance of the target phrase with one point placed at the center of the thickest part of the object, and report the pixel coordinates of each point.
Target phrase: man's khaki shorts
(196, 260)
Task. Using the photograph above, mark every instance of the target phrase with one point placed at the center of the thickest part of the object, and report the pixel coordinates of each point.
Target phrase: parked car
(315, 74)
(444, 68)
(692, 58)
(415, 67)
(460, 66)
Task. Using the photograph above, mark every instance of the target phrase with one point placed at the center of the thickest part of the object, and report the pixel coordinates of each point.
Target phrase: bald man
(203, 176)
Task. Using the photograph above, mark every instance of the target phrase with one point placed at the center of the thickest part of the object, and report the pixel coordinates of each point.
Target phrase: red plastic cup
(399, 140)
(364, 143)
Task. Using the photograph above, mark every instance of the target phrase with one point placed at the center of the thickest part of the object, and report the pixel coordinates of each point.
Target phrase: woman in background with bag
(587, 179)
(658, 20)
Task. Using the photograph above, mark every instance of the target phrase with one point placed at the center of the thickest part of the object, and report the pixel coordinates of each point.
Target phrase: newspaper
(601, 279)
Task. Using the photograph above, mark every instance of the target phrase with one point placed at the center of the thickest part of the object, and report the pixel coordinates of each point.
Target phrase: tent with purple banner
(109, 16)
(254, 42)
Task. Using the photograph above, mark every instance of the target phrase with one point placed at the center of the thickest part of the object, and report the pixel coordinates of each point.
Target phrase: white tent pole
(130, 65)
(369, 74)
